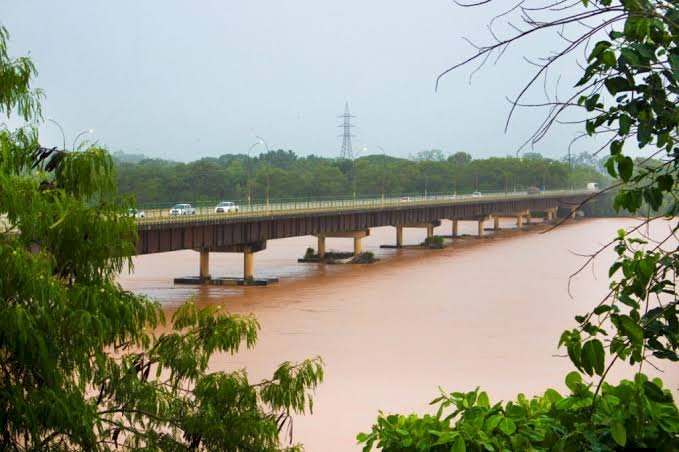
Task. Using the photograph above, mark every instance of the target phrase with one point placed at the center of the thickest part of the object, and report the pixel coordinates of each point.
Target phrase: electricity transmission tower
(347, 152)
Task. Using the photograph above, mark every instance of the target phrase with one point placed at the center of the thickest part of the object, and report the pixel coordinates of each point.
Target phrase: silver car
(182, 209)
(226, 207)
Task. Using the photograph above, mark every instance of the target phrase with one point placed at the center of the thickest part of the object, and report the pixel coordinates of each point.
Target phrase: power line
(346, 152)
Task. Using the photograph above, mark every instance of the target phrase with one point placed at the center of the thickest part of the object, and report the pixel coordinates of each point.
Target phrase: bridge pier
(496, 223)
(204, 264)
(429, 226)
(455, 227)
(248, 264)
(248, 279)
(356, 235)
(321, 246)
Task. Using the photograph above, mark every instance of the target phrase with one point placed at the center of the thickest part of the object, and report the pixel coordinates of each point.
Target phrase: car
(532, 190)
(476, 194)
(404, 199)
(136, 213)
(226, 207)
(182, 209)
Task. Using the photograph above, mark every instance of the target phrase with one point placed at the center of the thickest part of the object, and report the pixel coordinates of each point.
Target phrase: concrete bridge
(247, 232)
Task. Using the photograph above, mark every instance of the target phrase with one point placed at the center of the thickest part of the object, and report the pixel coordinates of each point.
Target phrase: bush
(633, 414)
(434, 242)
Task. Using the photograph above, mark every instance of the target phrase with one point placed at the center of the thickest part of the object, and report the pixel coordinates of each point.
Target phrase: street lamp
(384, 170)
(84, 132)
(261, 141)
(363, 149)
(63, 135)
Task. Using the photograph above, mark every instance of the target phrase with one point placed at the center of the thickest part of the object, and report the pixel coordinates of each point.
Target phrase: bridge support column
(496, 223)
(399, 236)
(519, 222)
(248, 264)
(455, 228)
(358, 245)
(321, 246)
(356, 235)
(481, 227)
(430, 231)
(204, 264)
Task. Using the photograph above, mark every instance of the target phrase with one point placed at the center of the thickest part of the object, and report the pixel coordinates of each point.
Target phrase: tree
(80, 367)
(629, 93)
(430, 155)
(460, 158)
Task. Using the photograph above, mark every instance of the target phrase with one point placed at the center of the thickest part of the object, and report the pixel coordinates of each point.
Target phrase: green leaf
(625, 168)
(617, 84)
(459, 445)
(632, 328)
(619, 433)
(507, 426)
(593, 357)
(573, 381)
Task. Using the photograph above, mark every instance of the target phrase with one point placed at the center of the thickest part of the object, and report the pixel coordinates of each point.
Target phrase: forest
(283, 174)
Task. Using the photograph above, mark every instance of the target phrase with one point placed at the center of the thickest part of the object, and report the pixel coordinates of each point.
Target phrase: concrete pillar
(321, 246)
(204, 264)
(519, 222)
(399, 236)
(455, 228)
(481, 226)
(528, 217)
(248, 263)
(549, 216)
(358, 245)
(572, 214)
(430, 231)
(496, 223)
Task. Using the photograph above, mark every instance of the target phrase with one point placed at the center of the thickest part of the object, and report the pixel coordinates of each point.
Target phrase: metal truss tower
(347, 152)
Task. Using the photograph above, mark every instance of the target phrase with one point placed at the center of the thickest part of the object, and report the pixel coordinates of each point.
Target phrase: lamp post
(260, 140)
(63, 135)
(84, 132)
(384, 170)
(363, 149)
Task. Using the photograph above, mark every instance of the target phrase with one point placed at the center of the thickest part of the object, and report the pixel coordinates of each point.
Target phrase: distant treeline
(283, 174)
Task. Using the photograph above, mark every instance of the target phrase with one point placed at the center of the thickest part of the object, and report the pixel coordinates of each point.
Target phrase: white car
(226, 207)
(476, 194)
(182, 209)
(136, 213)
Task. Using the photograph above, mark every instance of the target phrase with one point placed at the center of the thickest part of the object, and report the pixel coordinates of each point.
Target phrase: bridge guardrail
(161, 215)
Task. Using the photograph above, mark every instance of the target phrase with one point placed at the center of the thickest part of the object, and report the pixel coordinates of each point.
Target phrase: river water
(484, 312)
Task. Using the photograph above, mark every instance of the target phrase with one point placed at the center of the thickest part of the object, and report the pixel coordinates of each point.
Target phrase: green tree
(80, 366)
(629, 93)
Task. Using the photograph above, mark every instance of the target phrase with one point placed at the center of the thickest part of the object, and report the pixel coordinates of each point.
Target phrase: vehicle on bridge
(533, 190)
(592, 186)
(182, 209)
(226, 207)
(476, 194)
(136, 213)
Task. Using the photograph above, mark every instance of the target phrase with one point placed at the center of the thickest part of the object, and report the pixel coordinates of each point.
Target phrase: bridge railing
(282, 207)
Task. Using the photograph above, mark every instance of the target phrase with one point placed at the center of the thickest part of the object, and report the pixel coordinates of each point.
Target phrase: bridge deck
(262, 223)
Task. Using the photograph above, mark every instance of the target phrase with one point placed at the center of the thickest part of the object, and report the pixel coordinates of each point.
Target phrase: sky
(183, 80)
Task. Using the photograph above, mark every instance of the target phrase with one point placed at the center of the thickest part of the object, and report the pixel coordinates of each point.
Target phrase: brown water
(482, 313)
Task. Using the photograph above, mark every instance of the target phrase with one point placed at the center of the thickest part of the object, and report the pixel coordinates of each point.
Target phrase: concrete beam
(429, 224)
(346, 234)
(253, 247)
(521, 213)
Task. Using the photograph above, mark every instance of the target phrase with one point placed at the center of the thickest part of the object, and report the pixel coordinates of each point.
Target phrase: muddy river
(484, 312)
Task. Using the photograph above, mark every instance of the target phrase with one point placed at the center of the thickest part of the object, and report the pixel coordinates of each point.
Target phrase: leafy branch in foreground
(80, 365)
(629, 94)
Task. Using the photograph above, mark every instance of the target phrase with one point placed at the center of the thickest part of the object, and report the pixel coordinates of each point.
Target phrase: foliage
(632, 414)
(434, 242)
(629, 92)
(80, 365)
(284, 175)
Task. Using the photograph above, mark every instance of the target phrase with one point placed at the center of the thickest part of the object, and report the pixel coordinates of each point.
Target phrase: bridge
(248, 230)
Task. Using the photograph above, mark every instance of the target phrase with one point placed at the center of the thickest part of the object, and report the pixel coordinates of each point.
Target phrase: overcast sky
(186, 79)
